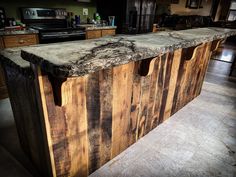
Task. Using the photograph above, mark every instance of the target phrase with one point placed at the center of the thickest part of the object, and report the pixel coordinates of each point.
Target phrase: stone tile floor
(199, 140)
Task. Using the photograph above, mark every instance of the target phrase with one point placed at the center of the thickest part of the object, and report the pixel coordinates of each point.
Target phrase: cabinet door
(93, 34)
(108, 32)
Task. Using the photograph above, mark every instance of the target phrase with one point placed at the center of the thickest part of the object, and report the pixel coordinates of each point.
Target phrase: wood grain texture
(20, 40)
(28, 118)
(119, 106)
(190, 76)
(108, 32)
(105, 112)
(93, 34)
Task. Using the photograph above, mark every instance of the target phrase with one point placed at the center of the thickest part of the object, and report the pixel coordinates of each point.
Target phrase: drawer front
(93, 34)
(20, 40)
(108, 32)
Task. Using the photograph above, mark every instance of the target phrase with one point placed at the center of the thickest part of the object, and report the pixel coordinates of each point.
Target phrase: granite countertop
(89, 27)
(100, 28)
(78, 58)
(18, 32)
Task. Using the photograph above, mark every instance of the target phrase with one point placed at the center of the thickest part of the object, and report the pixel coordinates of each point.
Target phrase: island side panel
(121, 106)
(67, 126)
(28, 117)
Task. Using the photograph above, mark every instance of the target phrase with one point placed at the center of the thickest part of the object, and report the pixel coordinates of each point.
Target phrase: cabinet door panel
(108, 32)
(93, 34)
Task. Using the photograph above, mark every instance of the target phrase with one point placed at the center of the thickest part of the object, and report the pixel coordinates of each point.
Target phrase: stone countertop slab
(89, 27)
(18, 32)
(11, 57)
(79, 58)
(100, 28)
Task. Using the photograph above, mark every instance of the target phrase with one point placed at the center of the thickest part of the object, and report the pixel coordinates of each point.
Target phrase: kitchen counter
(13, 55)
(82, 57)
(85, 102)
(18, 32)
(89, 27)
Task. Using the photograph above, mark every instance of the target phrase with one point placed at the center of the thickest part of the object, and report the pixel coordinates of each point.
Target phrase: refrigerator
(131, 16)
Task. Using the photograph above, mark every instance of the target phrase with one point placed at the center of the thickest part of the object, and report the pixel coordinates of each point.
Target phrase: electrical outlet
(85, 11)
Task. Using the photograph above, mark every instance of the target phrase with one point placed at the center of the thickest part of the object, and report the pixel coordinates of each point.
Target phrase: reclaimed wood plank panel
(159, 89)
(93, 115)
(121, 104)
(190, 76)
(135, 104)
(28, 118)
(172, 84)
(106, 96)
(152, 96)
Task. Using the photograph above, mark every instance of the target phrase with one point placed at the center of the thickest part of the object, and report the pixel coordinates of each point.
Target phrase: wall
(181, 10)
(12, 6)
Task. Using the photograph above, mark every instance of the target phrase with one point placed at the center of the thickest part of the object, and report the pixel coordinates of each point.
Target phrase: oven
(51, 24)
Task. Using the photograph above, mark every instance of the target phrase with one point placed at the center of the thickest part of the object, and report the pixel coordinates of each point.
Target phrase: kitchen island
(79, 104)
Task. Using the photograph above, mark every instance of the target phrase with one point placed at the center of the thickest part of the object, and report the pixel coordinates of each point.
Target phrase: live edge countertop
(79, 58)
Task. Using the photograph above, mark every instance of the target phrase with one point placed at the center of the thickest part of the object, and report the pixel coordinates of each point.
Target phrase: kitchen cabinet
(108, 32)
(8, 41)
(19, 40)
(97, 33)
(93, 34)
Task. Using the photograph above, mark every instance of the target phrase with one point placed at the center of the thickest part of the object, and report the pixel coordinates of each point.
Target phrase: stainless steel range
(51, 24)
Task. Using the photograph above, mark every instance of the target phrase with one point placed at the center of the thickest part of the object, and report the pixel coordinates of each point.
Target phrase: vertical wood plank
(93, 114)
(159, 89)
(121, 104)
(76, 125)
(152, 95)
(135, 104)
(172, 84)
(39, 82)
(106, 97)
(144, 100)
